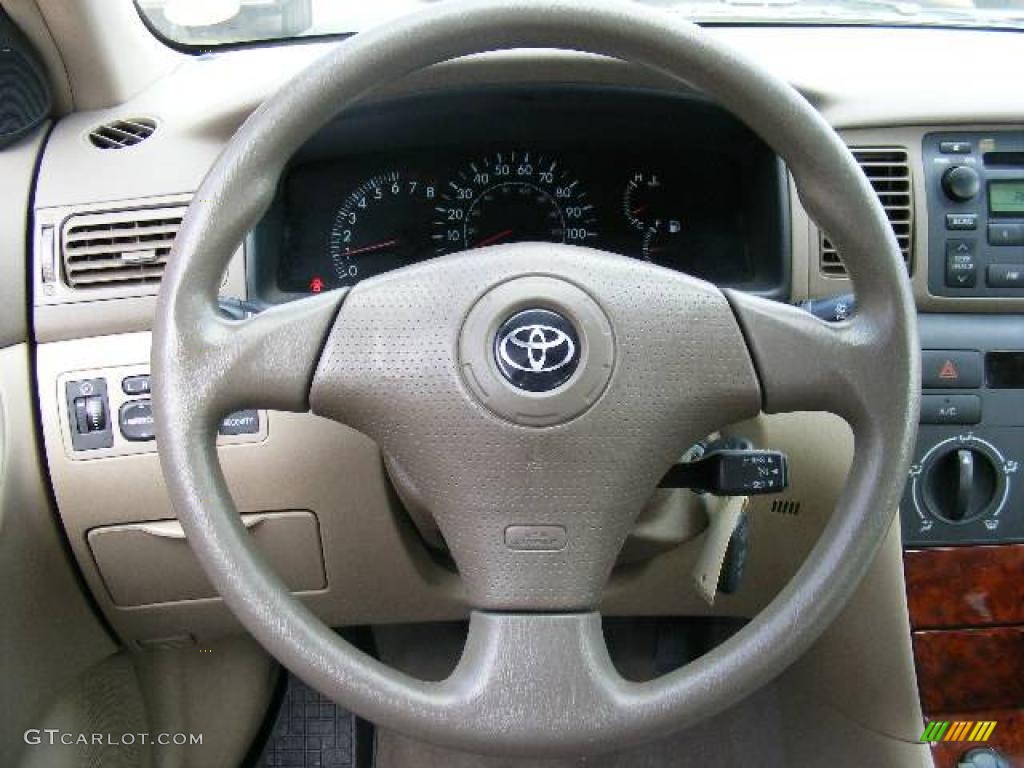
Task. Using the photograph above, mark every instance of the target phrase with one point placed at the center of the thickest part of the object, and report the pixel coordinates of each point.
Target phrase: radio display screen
(1006, 197)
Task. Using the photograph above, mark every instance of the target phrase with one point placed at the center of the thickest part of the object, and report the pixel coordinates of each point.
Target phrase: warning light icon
(316, 285)
(948, 371)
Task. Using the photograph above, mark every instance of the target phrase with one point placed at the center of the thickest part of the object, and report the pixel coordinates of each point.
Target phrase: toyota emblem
(537, 350)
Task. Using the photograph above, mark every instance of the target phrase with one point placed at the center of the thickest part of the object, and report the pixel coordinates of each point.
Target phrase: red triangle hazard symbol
(949, 371)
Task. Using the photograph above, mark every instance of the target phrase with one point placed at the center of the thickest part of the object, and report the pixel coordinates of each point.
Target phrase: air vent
(123, 249)
(122, 133)
(888, 170)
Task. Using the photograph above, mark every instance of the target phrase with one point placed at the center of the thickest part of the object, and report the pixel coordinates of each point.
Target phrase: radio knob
(961, 183)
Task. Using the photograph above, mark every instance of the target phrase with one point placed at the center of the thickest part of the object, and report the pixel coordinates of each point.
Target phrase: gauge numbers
(374, 229)
(511, 197)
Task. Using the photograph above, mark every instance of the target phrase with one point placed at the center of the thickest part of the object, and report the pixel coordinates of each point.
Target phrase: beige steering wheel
(660, 360)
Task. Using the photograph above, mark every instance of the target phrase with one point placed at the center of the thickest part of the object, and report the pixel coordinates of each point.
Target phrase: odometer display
(511, 197)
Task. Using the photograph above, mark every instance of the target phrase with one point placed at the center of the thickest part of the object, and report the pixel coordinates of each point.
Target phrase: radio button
(956, 221)
(955, 147)
(1006, 234)
(1006, 275)
(961, 266)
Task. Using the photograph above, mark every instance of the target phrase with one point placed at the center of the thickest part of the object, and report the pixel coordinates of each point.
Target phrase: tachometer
(376, 228)
(512, 197)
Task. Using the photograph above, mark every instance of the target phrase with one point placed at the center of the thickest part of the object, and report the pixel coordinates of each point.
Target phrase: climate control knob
(960, 484)
(961, 183)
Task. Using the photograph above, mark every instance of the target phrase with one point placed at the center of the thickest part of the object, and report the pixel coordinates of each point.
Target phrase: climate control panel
(965, 484)
(961, 488)
(975, 195)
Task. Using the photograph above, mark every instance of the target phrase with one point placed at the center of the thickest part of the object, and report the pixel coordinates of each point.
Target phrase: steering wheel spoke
(558, 662)
(807, 364)
(265, 361)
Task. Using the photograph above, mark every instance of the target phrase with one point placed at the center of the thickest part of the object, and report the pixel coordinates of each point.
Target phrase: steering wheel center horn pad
(410, 362)
(661, 360)
(536, 350)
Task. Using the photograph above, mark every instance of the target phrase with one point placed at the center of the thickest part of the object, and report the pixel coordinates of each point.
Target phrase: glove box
(146, 563)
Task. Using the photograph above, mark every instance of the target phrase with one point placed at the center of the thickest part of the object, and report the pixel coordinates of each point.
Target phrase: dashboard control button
(961, 183)
(1006, 275)
(961, 221)
(955, 147)
(950, 369)
(136, 385)
(240, 423)
(88, 414)
(135, 420)
(950, 409)
(1006, 234)
(961, 265)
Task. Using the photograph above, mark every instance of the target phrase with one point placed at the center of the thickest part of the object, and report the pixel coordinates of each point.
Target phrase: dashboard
(675, 181)
(605, 125)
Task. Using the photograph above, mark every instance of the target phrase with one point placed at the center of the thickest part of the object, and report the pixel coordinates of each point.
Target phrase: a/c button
(950, 409)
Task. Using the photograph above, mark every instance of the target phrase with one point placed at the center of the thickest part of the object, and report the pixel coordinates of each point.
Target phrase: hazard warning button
(950, 369)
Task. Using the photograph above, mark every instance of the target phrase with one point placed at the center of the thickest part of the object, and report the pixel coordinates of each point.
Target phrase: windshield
(205, 23)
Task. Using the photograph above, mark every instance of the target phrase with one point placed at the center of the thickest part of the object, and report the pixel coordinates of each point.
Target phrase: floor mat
(310, 732)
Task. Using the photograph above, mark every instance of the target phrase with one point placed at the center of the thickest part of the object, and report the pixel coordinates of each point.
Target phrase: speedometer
(512, 197)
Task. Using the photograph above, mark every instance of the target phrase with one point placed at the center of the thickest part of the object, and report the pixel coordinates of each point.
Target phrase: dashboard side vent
(122, 133)
(115, 250)
(888, 170)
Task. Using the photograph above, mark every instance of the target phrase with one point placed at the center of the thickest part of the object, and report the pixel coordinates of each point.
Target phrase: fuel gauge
(650, 209)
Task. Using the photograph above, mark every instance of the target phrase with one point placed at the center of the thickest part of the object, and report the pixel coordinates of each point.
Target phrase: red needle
(494, 238)
(374, 247)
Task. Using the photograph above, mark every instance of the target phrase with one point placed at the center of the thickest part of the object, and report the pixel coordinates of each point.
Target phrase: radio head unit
(975, 198)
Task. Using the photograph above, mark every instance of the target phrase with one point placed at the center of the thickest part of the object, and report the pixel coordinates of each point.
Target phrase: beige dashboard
(338, 533)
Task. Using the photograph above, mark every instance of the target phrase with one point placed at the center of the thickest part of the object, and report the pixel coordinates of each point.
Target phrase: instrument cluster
(711, 206)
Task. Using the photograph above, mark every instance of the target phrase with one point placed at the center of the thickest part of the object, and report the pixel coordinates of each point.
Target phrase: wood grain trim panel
(1007, 737)
(965, 586)
(970, 670)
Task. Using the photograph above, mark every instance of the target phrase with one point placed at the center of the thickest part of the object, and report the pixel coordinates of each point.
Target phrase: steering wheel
(531, 396)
